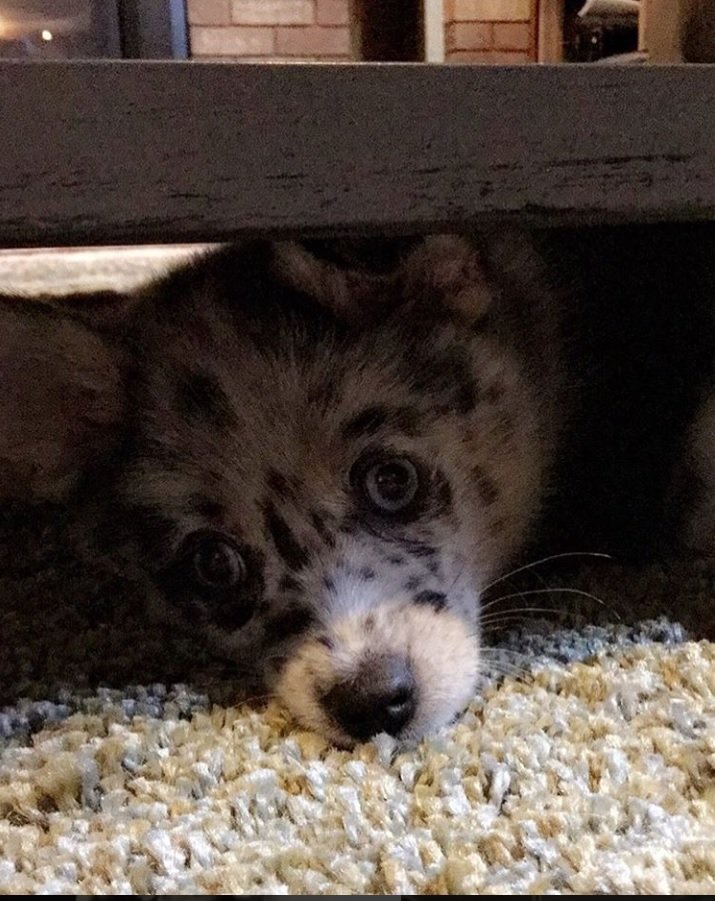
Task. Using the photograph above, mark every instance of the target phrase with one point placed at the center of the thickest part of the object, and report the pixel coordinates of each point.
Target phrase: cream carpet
(594, 773)
(585, 764)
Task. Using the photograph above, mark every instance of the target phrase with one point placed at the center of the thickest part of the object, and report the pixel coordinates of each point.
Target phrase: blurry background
(500, 32)
(90, 29)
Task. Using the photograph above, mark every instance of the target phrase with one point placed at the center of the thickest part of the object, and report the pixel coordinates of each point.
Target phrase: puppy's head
(327, 466)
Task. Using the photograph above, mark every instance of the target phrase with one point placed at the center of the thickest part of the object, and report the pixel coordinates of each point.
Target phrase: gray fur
(252, 383)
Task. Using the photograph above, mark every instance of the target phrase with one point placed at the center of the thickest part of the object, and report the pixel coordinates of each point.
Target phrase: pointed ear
(350, 291)
(61, 399)
(447, 270)
(363, 281)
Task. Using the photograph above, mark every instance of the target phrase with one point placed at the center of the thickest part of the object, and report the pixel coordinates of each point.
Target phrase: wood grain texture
(132, 152)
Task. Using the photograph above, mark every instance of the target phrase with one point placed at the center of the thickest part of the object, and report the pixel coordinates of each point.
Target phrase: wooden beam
(138, 152)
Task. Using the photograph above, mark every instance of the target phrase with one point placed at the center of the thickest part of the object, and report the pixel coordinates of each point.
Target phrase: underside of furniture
(145, 152)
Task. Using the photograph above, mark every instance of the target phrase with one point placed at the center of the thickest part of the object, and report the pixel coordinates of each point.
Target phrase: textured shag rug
(593, 773)
(585, 763)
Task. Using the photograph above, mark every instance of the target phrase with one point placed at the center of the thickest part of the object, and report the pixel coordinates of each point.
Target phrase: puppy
(318, 468)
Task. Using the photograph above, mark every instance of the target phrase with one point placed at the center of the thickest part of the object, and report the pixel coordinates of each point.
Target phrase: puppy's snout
(381, 697)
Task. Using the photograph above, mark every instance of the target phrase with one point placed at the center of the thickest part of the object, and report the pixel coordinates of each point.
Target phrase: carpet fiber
(593, 773)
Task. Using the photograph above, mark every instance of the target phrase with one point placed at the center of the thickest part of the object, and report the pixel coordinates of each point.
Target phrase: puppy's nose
(381, 697)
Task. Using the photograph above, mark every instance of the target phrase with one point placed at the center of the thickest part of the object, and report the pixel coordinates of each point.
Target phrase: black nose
(380, 698)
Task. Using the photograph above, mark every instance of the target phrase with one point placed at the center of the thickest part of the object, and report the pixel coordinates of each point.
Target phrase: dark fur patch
(329, 584)
(488, 491)
(289, 583)
(442, 495)
(505, 427)
(230, 614)
(372, 419)
(407, 419)
(288, 623)
(199, 395)
(367, 574)
(434, 599)
(413, 583)
(465, 398)
(279, 485)
(294, 554)
(206, 507)
(366, 423)
(417, 548)
(494, 392)
(323, 396)
(157, 530)
(157, 453)
(319, 521)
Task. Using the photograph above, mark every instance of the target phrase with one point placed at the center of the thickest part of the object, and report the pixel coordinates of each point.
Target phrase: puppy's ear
(341, 282)
(447, 271)
(362, 281)
(61, 396)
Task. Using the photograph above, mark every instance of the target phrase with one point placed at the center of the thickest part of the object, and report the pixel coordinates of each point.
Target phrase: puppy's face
(326, 470)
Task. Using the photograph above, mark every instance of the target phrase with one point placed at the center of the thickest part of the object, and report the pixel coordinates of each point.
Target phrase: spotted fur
(258, 385)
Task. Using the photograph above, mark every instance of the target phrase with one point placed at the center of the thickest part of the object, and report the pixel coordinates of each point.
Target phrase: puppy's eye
(214, 580)
(389, 485)
(216, 562)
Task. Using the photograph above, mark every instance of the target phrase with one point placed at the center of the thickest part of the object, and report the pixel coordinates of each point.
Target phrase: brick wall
(500, 32)
(269, 29)
(496, 32)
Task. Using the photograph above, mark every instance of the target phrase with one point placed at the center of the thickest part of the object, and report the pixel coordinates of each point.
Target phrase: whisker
(258, 699)
(499, 627)
(255, 699)
(522, 661)
(508, 584)
(575, 591)
(517, 611)
(510, 618)
(515, 671)
(496, 649)
(548, 559)
(507, 669)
